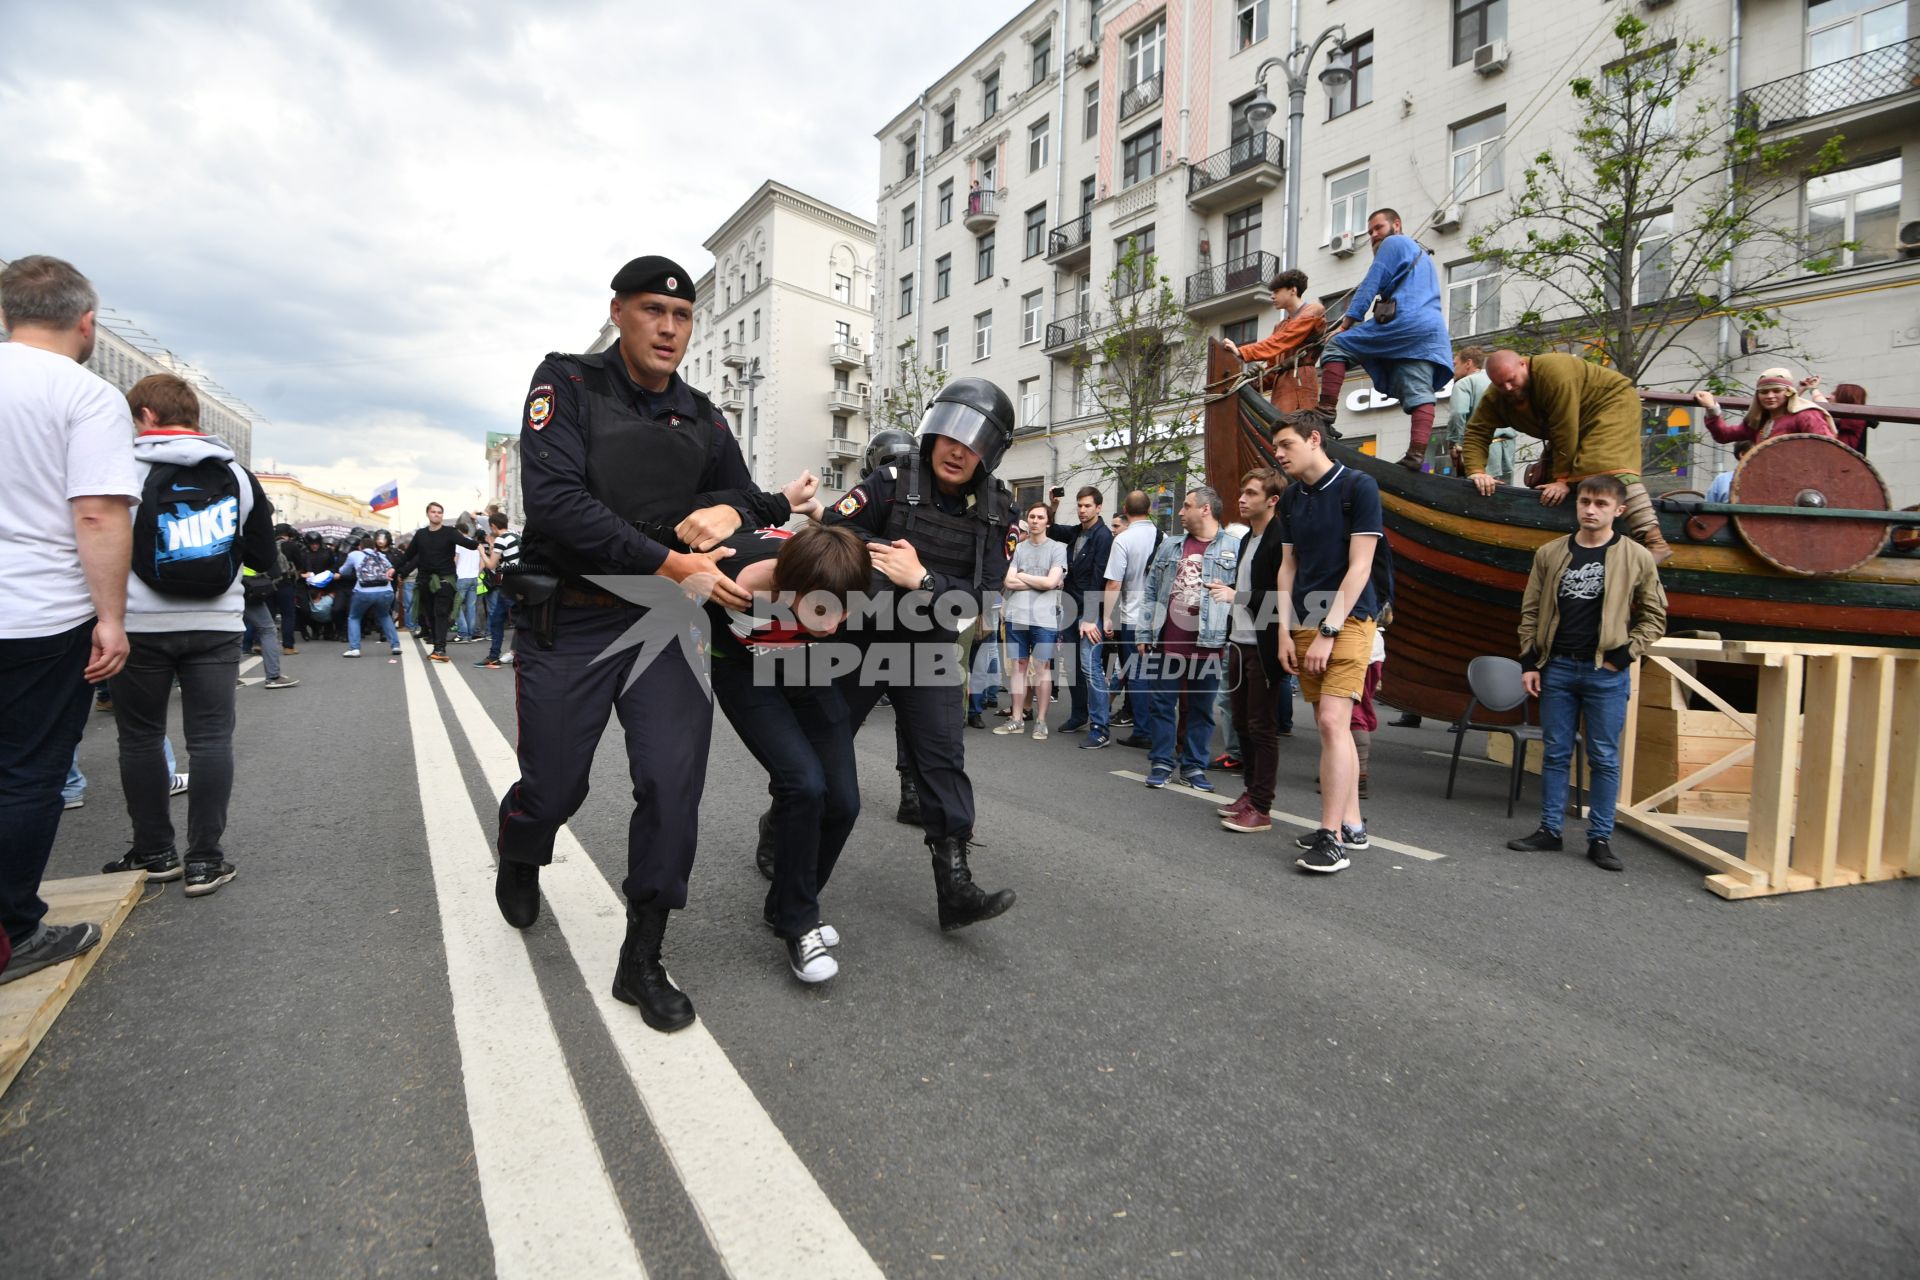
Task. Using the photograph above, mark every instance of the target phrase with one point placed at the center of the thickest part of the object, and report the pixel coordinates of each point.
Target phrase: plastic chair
(1495, 686)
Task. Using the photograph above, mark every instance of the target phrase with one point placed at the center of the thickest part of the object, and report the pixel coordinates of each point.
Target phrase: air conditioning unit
(1345, 243)
(1447, 218)
(1489, 58)
(1086, 55)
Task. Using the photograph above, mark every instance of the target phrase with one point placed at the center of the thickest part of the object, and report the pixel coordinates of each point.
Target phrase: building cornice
(773, 194)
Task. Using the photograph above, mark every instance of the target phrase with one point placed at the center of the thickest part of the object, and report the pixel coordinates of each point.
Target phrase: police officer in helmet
(940, 525)
(625, 470)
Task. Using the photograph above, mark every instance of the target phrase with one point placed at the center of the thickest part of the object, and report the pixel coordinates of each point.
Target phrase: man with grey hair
(1190, 588)
(66, 455)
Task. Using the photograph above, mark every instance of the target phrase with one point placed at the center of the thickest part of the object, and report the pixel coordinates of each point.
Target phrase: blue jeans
(499, 605)
(1090, 695)
(406, 598)
(1164, 679)
(378, 602)
(1572, 692)
(75, 787)
(463, 599)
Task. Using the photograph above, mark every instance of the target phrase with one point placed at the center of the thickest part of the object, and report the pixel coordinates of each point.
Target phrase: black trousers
(801, 737)
(206, 663)
(43, 708)
(564, 697)
(931, 724)
(436, 613)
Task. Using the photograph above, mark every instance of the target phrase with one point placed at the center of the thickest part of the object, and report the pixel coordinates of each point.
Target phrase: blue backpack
(186, 534)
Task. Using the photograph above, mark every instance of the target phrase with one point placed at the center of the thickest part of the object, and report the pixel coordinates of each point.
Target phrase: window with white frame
(1036, 231)
(1030, 309)
(833, 478)
(842, 331)
(1841, 29)
(756, 324)
(942, 276)
(990, 169)
(1346, 204)
(904, 359)
(1041, 62)
(1140, 156)
(1037, 143)
(983, 335)
(1090, 111)
(1131, 277)
(1861, 206)
(1249, 22)
(1241, 332)
(906, 227)
(1145, 53)
(1085, 403)
(990, 95)
(945, 205)
(1477, 169)
(940, 345)
(842, 288)
(842, 380)
(1086, 195)
(1473, 298)
(1032, 410)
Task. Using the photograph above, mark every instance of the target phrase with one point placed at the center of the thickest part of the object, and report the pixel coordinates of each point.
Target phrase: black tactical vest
(950, 544)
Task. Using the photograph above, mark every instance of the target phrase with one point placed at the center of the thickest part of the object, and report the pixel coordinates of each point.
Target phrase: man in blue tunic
(1404, 348)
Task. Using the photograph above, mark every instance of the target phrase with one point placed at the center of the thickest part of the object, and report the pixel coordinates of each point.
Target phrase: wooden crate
(1835, 737)
(29, 1005)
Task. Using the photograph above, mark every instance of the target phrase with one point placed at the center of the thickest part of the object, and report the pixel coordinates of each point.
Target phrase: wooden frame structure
(1833, 749)
(29, 1005)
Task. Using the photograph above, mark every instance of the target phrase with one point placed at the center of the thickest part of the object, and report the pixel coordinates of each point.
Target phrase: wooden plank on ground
(29, 1005)
(1902, 839)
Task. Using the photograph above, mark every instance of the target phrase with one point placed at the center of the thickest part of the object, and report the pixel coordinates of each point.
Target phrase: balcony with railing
(1071, 243)
(846, 354)
(1888, 78)
(730, 400)
(733, 353)
(1067, 335)
(983, 209)
(844, 448)
(847, 400)
(1142, 95)
(1231, 286)
(1243, 172)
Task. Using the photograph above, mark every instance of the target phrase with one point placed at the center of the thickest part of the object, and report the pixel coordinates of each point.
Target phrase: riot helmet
(890, 444)
(974, 412)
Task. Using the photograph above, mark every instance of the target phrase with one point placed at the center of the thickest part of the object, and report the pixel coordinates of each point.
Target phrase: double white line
(551, 1207)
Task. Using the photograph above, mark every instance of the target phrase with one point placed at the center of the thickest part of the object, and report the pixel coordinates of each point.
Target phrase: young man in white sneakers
(1330, 527)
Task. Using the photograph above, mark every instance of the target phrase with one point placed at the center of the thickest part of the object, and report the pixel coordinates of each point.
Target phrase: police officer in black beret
(625, 470)
(941, 525)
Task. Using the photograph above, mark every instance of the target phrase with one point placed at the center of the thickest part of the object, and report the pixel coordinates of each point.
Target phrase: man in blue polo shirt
(1330, 526)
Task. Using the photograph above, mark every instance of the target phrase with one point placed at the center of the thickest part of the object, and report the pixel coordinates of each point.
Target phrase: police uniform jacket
(878, 509)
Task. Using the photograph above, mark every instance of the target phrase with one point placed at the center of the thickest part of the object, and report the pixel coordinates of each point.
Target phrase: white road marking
(551, 1207)
(1293, 819)
(763, 1212)
(248, 664)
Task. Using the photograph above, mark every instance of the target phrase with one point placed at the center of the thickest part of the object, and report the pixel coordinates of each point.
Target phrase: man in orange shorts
(1330, 524)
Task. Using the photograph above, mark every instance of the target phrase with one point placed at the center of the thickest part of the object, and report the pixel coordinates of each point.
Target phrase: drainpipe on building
(1059, 211)
(1733, 110)
(1186, 72)
(920, 244)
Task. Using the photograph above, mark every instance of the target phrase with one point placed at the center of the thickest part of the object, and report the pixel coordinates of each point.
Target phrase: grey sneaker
(286, 682)
(49, 945)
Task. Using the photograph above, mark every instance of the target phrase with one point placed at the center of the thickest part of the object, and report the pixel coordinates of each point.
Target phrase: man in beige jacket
(1593, 605)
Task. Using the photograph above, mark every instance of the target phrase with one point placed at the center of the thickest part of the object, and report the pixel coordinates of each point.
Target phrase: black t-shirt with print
(1582, 588)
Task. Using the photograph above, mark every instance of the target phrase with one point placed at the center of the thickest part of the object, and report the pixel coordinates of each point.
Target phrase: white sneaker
(1039, 730)
(1011, 726)
(807, 957)
(177, 785)
(351, 653)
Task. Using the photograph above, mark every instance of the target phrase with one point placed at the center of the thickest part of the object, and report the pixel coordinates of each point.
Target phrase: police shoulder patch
(539, 406)
(1013, 539)
(856, 498)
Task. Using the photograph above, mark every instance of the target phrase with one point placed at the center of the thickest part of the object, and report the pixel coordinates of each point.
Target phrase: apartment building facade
(783, 331)
(1012, 187)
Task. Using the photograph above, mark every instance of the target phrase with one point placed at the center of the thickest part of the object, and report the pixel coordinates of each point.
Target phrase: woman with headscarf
(1852, 431)
(1778, 409)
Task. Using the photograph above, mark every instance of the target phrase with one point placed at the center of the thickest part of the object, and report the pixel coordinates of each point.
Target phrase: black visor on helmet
(963, 423)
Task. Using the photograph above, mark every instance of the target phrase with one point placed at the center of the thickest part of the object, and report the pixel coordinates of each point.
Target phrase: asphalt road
(1177, 1055)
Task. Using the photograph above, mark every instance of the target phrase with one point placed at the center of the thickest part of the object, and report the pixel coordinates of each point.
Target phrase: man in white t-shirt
(466, 586)
(66, 467)
(1123, 609)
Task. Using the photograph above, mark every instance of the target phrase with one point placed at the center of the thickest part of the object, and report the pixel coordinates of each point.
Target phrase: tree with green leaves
(1619, 239)
(902, 403)
(1145, 361)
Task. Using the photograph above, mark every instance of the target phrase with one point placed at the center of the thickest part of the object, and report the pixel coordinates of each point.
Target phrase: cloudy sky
(370, 220)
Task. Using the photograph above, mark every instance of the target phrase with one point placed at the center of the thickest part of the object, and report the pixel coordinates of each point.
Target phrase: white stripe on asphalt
(551, 1208)
(763, 1212)
(1292, 819)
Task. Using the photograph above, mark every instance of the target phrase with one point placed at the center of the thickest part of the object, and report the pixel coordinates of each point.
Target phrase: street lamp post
(1334, 78)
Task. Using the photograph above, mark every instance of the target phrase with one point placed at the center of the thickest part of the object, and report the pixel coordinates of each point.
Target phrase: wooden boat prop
(1461, 560)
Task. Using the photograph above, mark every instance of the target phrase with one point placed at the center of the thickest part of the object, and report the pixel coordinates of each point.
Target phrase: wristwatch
(1329, 632)
(926, 582)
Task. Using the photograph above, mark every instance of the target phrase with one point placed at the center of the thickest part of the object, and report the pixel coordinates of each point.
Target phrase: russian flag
(387, 495)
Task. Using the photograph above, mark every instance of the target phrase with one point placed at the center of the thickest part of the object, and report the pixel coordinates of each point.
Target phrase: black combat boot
(909, 810)
(516, 887)
(641, 980)
(763, 852)
(962, 902)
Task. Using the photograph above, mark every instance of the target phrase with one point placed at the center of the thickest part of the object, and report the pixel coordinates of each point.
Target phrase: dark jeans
(1167, 678)
(1255, 702)
(499, 605)
(207, 664)
(436, 611)
(801, 737)
(284, 603)
(43, 707)
(1573, 693)
(934, 716)
(563, 696)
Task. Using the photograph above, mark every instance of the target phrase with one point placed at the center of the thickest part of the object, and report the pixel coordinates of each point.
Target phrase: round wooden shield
(1811, 472)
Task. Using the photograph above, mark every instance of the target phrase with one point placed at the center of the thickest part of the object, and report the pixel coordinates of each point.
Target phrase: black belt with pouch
(537, 592)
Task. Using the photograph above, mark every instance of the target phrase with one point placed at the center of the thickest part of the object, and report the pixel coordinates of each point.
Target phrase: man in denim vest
(1190, 587)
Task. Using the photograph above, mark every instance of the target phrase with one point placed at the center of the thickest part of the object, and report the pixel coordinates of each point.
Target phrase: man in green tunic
(1589, 416)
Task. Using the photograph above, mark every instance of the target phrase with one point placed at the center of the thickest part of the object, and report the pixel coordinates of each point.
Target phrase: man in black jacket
(1258, 680)
(1088, 544)
(431, 552)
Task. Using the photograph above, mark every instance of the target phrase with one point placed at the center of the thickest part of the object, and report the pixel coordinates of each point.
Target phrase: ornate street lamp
(1334, 77)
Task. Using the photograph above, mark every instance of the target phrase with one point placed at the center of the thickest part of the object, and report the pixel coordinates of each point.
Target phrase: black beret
(654, 274)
